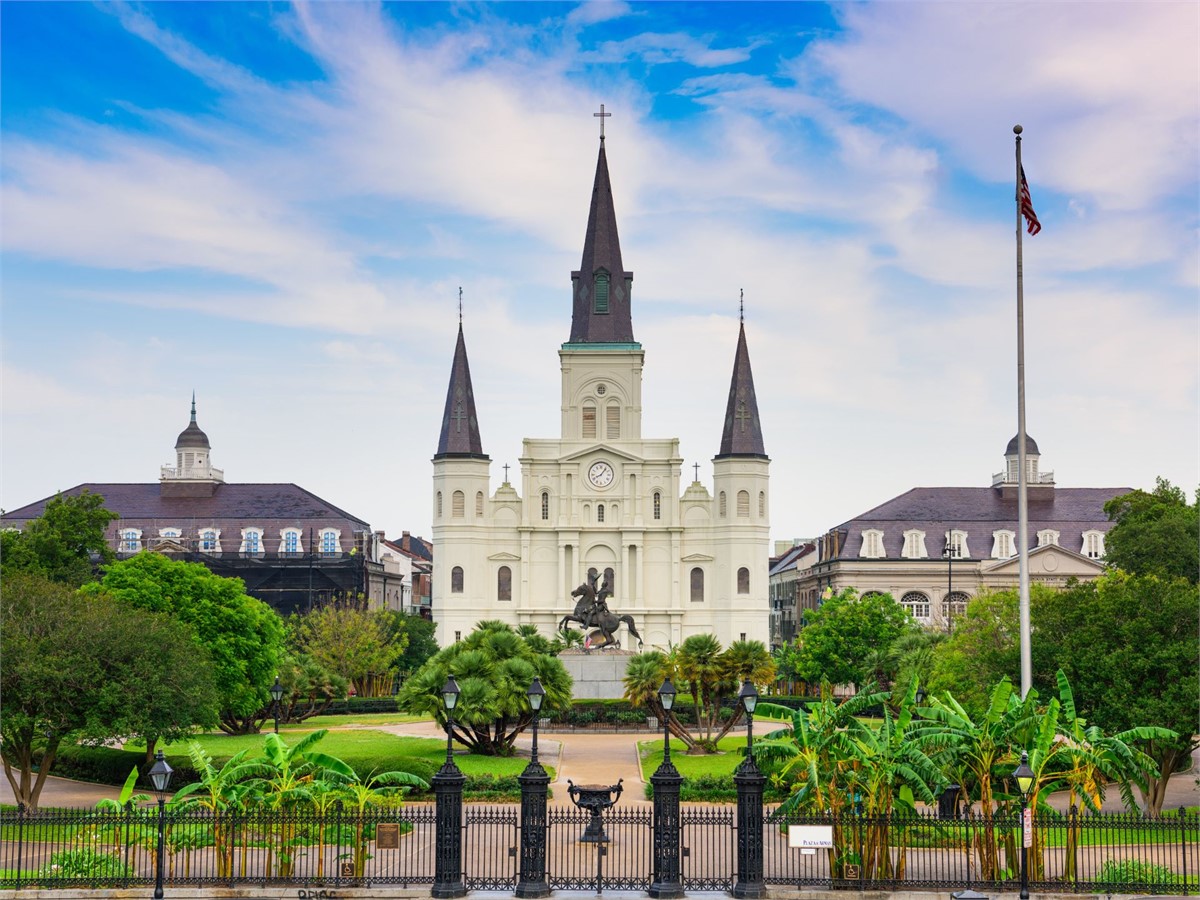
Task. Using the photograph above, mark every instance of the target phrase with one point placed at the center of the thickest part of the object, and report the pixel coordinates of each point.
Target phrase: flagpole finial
(460, 307)
(1017, 129)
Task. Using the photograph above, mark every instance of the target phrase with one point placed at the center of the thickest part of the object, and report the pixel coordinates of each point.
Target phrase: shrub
(1134, 872)
(85, 863)
(107, 765)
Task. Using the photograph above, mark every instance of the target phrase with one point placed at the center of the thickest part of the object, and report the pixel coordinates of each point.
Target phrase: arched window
(872, 544)
(439, 504)
(697, 585)
(479, 504)
(1047, 538)
(743, 506)
(762, 503)
(504, 583)
(743, 580)
(914, 545)
(252, 541)
(458, 504)
(657, 505)
(1002, 543)
(289, 542)
(456, 580)
(210, 540)
(331, 544)
(721, 508)
(600, 512)
(589, 420)
(954, 606)
(917, 604)
(1093, 544)
(131, 540)
(545, 506)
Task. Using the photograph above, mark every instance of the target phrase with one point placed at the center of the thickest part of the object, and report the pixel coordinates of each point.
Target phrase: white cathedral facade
(600, 499)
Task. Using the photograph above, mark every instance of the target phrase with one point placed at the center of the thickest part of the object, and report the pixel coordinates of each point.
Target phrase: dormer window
(289, 542)
(331, 544)
(251, 541)
(600, 298)
(1048, 538)
(872, 544)
(1093, 544)
(1002, 544)
(210, 540)
(914, 545)
(956, 545)
(131, 540)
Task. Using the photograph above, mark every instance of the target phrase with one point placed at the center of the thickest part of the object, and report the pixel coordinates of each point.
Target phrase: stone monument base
(599, 674)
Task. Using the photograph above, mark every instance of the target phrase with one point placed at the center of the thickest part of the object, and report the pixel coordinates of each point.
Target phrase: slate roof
(601, 250)
(460, 424)
(1030, 445)
(742, 435)
(259, 502)
(979, 512)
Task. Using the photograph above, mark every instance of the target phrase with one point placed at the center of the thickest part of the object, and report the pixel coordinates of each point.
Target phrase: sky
(275, 206)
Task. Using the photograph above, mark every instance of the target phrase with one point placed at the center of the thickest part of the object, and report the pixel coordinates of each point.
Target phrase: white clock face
(600, 474)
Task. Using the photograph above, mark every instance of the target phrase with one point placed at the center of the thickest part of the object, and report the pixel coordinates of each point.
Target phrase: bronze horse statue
(591, 611)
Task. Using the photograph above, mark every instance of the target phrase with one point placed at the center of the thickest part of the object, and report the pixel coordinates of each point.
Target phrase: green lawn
(650, 754)
(359, 743)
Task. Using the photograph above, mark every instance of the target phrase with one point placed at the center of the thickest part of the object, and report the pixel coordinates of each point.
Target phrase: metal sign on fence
(810, 837)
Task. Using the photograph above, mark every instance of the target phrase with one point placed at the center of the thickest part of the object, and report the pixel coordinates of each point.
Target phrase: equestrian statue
(592, 612)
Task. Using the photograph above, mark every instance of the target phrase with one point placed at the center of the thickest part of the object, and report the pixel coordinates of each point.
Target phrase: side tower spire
(460, 426)
(601, 287)
(742, 435)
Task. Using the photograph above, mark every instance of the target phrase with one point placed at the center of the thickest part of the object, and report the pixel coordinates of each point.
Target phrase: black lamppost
(448, 790)
(160, 777)
(535, 784)
(1024, 778)
(276, 696)
(666, 781)
(749, 781)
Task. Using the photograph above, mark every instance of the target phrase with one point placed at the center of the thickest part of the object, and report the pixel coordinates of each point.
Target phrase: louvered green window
(600, 305)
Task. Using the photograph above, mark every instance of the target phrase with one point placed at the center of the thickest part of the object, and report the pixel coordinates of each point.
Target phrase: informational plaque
(1027, 827)
(810, 837)
(387, 836)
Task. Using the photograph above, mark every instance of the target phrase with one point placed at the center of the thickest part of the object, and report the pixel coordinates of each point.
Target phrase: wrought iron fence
(1102, 853)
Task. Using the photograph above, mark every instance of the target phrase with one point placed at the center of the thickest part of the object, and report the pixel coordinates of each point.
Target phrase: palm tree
(644, 675)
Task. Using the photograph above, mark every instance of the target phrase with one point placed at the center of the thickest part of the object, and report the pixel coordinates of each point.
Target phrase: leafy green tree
(494, 667)
(354, 643)
(65, 544)
(242, 635)
(88, 668)
(309, 689)
(1154, 533)
(419, 644)
(1128, 645)
(842, 635)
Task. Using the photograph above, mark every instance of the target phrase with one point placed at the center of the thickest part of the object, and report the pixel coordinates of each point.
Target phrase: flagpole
(1022, 492)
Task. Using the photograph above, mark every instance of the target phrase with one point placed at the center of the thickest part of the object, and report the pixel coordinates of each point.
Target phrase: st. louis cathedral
(600, 500)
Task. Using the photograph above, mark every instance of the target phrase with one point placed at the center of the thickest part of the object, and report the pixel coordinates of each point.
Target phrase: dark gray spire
(742, 435)
(601, 287)
(460, 426)
(192, 436)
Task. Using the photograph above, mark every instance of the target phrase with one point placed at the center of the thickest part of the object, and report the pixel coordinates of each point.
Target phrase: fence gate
(491, 847)
(708, 847)
(624, 862)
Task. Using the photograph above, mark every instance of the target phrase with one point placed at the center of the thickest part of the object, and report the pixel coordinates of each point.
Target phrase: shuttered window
(589, 421)
(612, 422)
(600, 305)
(743, 504)
(458, 504)
(479, 504)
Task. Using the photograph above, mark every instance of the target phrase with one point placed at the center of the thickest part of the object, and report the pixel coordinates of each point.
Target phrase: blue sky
(275, 205)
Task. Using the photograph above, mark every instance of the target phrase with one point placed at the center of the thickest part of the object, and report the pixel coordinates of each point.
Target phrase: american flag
(1032, 225)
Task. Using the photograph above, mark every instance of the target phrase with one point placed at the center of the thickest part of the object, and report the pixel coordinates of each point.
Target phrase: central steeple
(601, 287)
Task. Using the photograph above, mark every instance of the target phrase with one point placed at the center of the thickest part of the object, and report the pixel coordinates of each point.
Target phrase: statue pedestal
(598, 675)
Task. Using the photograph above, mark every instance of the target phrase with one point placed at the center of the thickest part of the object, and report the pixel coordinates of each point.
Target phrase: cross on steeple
(506, 473)
(696, 466)
(602, 115)
(458, 416)
(742, 416)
